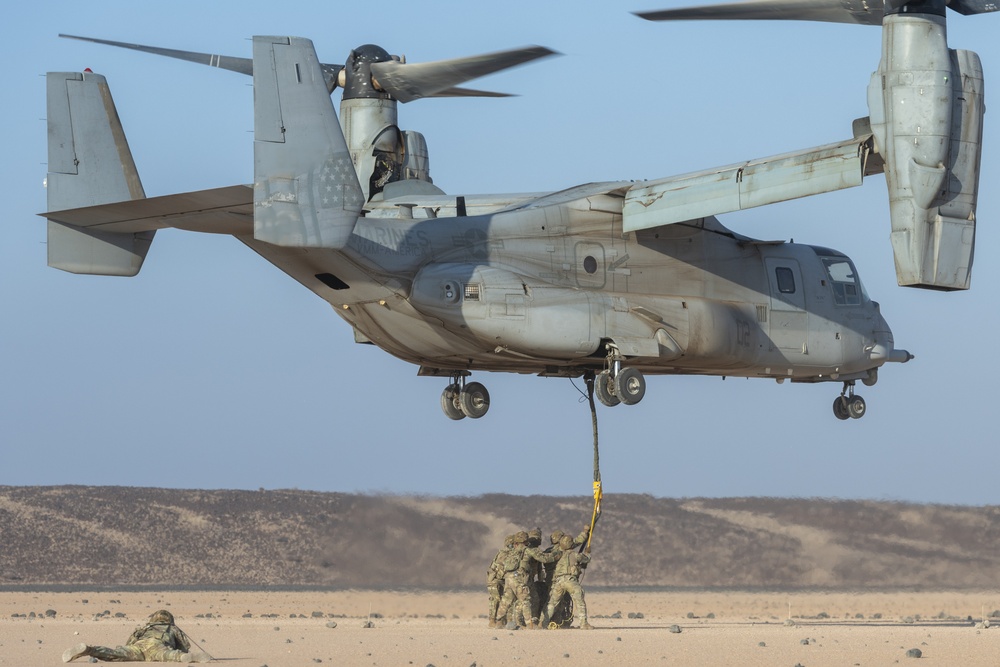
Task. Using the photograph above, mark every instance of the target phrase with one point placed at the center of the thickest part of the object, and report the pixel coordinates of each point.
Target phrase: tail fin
(89, 163)
(306, 191)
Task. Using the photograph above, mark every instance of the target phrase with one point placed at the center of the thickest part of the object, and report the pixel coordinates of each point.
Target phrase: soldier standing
(517, 564)
(536, 575)
(158, 640)
(567, 580)
(494, 579)
(562, 611)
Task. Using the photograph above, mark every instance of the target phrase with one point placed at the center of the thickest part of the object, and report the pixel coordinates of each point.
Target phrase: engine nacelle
(926, 109)
(511, 313)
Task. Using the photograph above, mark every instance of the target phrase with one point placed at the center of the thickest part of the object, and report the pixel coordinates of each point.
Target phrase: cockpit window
(847, 288)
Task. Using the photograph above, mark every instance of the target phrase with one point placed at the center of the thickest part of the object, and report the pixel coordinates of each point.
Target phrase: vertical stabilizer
(89, 164)
(306, 192)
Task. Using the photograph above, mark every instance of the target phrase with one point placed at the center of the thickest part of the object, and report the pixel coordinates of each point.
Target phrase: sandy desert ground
(251, 629)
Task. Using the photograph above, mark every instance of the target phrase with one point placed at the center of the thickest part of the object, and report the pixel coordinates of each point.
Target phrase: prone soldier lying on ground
(157, 640)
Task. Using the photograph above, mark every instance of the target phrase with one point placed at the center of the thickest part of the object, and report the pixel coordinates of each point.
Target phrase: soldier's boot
(74, 652)
(586, 625)
(196, 656)
(532, 624)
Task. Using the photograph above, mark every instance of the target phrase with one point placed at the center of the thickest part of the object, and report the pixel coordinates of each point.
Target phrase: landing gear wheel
(856, 407)
(449, 402)
(604, 389)
(474, 400)
(630, 386)
(840, 408)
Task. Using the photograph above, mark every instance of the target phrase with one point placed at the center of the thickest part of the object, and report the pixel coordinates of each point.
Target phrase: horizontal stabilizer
(226, 210)
(746, 185)
(89, 164)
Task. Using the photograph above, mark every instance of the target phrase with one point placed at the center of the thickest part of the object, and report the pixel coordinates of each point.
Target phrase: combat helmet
(556, 536)
(566, 542)
(161, 616)
(535, 536)
(520, 537)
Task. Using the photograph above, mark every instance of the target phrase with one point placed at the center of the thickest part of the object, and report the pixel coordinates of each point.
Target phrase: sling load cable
(589, 378)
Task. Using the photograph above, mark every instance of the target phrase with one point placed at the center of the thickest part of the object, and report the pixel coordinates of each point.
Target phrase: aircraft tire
(474, 400)
(630, 386)
(449, 403)
(840, 408)
(603, 389)
(856, 407)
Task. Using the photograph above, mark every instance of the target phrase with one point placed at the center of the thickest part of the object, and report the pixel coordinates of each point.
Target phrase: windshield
(847, 287)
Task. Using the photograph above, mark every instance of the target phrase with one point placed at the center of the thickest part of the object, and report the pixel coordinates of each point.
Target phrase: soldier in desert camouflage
(157, 640)
(517, 565)
(494, 580)
(566, 579)
(536, 575)
(562, 615)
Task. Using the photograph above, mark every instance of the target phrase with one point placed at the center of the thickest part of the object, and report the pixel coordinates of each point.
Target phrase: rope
(598, 493)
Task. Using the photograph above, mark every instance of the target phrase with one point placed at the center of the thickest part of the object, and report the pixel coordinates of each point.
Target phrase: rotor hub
(931, 7)
(358, 81)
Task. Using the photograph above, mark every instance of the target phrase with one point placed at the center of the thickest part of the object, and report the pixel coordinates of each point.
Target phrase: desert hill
(122, 536)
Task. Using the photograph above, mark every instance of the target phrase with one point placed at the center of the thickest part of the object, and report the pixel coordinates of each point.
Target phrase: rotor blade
(234, 64)
(231, 63)
(412, 81)
(469, 92)
(835, 11)
(970, 7)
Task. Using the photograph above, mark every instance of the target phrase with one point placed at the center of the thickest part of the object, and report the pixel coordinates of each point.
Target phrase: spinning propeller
(371, 72)
(836, 11)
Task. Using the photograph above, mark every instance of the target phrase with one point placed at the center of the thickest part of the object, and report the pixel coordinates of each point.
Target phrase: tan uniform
(517, 588)
(152, 642)
(566, 579)
(494, 582)
(561, 615)
(550, 568)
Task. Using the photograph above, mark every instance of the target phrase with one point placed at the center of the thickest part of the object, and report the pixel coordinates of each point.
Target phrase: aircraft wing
(227, 210)
(748, 184)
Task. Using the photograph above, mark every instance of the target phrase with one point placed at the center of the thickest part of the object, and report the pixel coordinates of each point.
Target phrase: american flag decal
(337, 184)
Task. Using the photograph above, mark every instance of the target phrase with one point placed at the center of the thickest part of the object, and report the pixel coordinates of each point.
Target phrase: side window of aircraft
(786, 279)
(847, 289)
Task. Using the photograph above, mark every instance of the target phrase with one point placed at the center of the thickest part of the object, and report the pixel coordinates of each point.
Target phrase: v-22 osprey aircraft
(612, 281)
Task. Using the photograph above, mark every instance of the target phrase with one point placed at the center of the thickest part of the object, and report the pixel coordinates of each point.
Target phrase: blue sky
(212, 369)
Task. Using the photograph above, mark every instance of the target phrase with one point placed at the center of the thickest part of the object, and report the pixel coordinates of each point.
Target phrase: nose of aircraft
(883, 349)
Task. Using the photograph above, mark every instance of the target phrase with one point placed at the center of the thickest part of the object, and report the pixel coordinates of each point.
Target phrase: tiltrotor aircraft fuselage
(614, 281)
